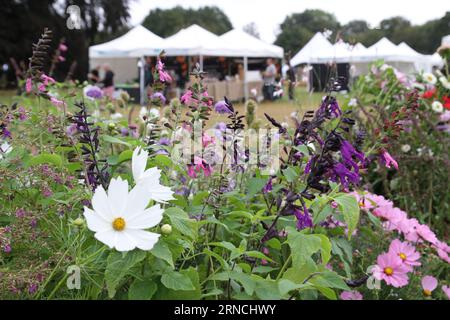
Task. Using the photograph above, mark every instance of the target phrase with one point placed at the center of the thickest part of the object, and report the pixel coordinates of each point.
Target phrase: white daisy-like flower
(5, 148)
(143, 113)
(153, 113)
(149, 179)
(437, 107)
(119, 218)
(429, 78)
(406, 148)
(445, 83)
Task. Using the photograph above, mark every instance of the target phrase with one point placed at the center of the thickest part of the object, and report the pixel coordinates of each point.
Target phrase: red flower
(446, 102)
(429, 94)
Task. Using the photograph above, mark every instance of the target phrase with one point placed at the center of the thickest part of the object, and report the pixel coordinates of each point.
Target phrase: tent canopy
(239, 43)
(308, 54)
(132, 44)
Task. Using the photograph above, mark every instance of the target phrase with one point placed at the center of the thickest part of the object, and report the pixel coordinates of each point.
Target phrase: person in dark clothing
(148, 72)
(108, 81)
(291, 78)
(94, 76)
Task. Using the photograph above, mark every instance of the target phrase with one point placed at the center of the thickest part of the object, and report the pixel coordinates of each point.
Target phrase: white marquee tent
(308, 54)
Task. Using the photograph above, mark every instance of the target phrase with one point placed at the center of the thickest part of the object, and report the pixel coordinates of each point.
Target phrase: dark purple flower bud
(20, 213)
(268, 187)
(303, 218)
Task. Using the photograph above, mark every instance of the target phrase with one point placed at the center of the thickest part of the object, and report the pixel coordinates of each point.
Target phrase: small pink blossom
(163, 75)
(62, 47)
(186, 98)
(29, 85)
(391, 269)
(61, 58)
(351, 295)
(46, 79)
(388, 160)
(57, 103)
(425, 233)
(406, 252)
(207, 140)
(429, 283)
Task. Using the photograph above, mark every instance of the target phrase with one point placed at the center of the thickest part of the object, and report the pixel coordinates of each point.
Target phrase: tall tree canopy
(22, 22)
(168, 22)
(298, 28)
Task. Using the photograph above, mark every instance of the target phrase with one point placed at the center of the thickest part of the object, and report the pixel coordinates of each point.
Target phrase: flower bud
(78, 222)
(166, 229)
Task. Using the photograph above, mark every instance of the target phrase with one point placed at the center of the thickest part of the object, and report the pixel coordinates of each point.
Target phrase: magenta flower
(7, 248)
(186, 98)
(22, 114)
(57, 103)
(351, 295)
(406, 252)
(62, 47)
(163, 75)
(207, 140)
(387, 160)
(29, 85)
(198, 166)
(391, 269)
(46, 79)
(429, 283)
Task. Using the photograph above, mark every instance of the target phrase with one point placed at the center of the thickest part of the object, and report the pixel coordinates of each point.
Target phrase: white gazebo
(122, 53)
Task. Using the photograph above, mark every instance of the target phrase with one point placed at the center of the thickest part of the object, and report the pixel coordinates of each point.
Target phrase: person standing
(269, 79)
(290, 75)
(108, 81)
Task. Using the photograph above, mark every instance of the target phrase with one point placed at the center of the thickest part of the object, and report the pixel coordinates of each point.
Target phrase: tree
(168, 22)
(22, 22)
(298, 28)
(252, 29)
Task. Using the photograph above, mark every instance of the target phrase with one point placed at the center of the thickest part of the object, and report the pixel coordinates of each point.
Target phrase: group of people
(107, 83)
(273, 88)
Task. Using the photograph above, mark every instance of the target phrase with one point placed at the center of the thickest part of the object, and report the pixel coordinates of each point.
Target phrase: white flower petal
(95, 222)
(138, 163)
(100, 203)
(147, 219)
(161, 193)
(107, 237)
(125, 241)
(145, 240)
(151, 175)
(117, 196)
(138, 200)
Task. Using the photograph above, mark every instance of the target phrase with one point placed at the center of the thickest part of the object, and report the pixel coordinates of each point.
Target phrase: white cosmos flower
(429, 78)
(149, 179)
(437, 107)
(120, 217)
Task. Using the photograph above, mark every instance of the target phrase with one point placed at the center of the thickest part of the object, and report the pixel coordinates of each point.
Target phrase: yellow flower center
(361, 204)
(402, 256)
(427, 292)
(388, 271)
(119, 224)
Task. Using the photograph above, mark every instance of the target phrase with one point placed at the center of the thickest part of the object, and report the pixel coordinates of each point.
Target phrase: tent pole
(245, 78)
(201, 62)
(142, 81)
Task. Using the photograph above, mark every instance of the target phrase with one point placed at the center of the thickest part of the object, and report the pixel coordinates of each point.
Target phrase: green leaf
(267, 290)
(115, 140)
(125, 156)
(45, 158)
(290, 174)
(118, 265)
(164, 293)
(176, 281)
(329, 279)
(142, 290)
(350, 209)
(285, 286)
(255, 185)
(163, 160)
(181, 222)
(161, 250)
(325, 249)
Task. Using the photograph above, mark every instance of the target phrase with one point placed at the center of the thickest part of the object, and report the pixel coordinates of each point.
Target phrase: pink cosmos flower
(429, 283)
(406, 252)
(391, 216)
(425, 233)
(442, 250)
(163, 75)
(391, 269)
(446, 290)
(29, 85)
(186, 98)
(387, 160)
(351, 295)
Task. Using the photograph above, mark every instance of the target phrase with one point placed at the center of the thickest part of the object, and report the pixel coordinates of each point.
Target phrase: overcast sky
(268, 14)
